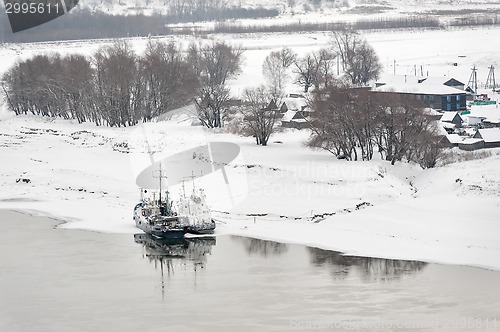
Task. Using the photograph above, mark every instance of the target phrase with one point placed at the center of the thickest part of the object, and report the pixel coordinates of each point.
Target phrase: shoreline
(251, 233)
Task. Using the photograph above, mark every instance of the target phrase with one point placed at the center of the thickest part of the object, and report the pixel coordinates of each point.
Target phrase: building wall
(453, 102)
(492, 144)
(471, 147)
(456, 102)
(293, 124)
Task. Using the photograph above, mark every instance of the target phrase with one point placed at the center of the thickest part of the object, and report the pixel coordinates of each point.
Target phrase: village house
(452, 117)
(471, 144)
(445, 94)
(490, 136)
(454, 140)
(295, 112)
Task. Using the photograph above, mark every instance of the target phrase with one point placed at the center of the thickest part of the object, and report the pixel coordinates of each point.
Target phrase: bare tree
(359, 61)
(77, 79)
(116, 77)
(15, 85)
(306, 69)
(275, 68)
(50, 86)
(274, 72)
(219, 62)
(332, 123)
(260, 113)
(348, 120)
(287, 57)
(194, 58)
(169, 79)
(404, 128)
(211, 101)
(325, 59)
(215, 63)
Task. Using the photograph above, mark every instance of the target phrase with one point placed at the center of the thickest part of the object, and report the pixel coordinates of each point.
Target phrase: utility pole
(490, 81)
(473, 81)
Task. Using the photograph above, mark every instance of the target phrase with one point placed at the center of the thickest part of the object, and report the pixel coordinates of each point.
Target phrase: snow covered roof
(454, 138)
(449, 116)
(442, 131)
(448, 125)
(439, 80)
(398, 79)
(288, 116)
(295, 104)
(475, 116)
(491, 113)
(417, 88)
(410, 79)
(489, 135)
(431, 111)
(471, 141)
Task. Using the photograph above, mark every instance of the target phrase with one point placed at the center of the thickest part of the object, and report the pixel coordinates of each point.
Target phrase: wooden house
(452, 117)
(471, 144)
(490, 136)
(295, 112)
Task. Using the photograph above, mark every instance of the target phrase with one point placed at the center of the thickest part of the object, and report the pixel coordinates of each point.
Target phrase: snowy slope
(85, 175)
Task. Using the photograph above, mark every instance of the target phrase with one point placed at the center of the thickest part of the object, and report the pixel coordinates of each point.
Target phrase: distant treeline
(379, 24)
(480, 20)
(221, 14)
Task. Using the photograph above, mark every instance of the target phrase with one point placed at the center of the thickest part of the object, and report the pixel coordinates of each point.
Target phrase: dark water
(65, 280)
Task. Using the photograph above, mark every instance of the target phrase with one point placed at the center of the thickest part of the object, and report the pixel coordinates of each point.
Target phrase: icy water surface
(65, 280)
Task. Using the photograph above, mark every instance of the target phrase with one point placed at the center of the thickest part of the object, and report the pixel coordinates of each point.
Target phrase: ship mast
(160, 176)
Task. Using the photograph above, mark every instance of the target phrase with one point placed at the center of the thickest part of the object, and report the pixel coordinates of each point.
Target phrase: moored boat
(194, 212)
(147, 217)
(157, 216)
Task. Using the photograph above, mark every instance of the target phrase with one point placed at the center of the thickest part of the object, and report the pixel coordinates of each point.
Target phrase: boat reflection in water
(163, 252)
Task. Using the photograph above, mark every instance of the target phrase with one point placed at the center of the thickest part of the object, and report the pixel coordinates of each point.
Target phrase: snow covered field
(313, 11)
(85, 175)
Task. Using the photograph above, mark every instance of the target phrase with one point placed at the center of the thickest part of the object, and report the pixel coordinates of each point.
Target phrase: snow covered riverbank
(85, 175)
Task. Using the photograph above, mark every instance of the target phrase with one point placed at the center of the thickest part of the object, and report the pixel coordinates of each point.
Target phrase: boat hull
(158, 226)
(201, 229)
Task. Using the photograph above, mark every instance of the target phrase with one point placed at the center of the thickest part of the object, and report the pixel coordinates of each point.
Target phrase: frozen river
(66, 280)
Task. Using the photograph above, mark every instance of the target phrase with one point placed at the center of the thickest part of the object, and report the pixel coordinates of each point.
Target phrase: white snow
(489, 113)
(419, 88)
(82, 174)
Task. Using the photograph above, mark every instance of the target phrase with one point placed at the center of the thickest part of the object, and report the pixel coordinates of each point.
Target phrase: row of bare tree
(116, 87)
(347, 122)
(359, 62)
